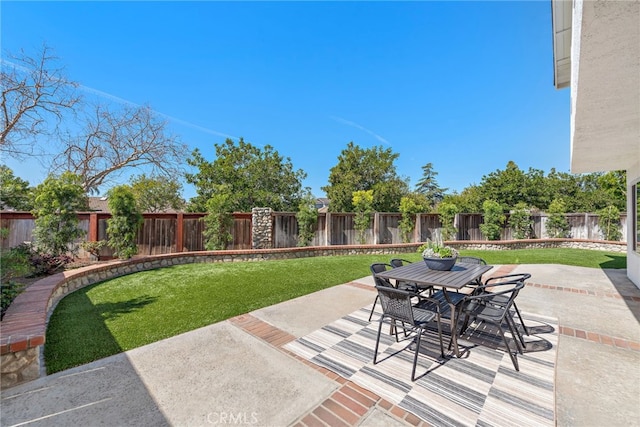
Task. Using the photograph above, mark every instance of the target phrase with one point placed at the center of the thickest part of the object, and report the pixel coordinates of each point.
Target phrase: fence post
(261, 228)
(93, 227)
(179, 232)
(417, 230)
(376, 228)
(327, 230)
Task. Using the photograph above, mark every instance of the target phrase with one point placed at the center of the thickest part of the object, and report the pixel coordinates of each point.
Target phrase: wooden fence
(180, 232)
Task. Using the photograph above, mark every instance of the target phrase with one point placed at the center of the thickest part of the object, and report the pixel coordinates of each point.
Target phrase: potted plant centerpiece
(437, 256)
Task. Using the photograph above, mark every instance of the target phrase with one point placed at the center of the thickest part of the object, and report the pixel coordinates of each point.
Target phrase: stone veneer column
(261, 228)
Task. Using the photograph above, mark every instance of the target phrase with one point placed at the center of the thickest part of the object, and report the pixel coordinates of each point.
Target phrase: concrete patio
(237, 371)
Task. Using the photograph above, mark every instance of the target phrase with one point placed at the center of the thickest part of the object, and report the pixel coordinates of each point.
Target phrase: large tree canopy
(15, 192)
(156, 193)
(579, 193)
(361, 169)
(252, 177)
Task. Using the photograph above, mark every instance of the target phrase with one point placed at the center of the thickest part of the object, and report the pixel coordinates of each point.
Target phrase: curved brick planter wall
(25, 322)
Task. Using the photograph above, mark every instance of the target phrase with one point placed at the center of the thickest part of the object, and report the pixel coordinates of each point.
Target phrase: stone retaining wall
(23, 327)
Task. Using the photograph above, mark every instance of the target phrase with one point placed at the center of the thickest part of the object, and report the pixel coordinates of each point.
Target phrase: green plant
(410, 206)
(448, 212)
(55, 205)
(307, 217)
(363, 205)
(436, 250)
(493, 220)
(557, 225)
(14, 263)
(610, 223)
(94, 247)
(520, 221)
(218, 222)
(126, 219)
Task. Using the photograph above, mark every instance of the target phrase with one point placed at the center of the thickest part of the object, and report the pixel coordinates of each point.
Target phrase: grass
(131, 311)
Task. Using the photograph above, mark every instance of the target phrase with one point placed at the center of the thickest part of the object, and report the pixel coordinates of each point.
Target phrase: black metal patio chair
(495, 282)
(379, 281)
(494, 308)
(397, 306)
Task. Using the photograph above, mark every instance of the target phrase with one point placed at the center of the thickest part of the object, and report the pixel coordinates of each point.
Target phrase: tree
(55, 204)
(493, 219)
(411, 205)
(362, 170)
(307, 217)
(115, 140)
(126, 219)
(14, 191)
(428, 186)
(35, 98)
(156, 194)
(254, 177)
(363, 205)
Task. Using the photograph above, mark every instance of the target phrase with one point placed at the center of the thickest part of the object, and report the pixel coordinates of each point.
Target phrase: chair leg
(526, 331)
(514, 360)
(375, 352)
(415, 356)
(440, 336)
(517, 338)
(516, 330)
(374, 307)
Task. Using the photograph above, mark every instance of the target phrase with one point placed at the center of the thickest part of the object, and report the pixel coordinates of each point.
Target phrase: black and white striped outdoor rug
(479, 389)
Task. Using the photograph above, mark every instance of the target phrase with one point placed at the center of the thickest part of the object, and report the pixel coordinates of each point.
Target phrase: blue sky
(467, 86)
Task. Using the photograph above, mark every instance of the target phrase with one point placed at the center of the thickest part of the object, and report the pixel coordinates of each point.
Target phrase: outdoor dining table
(455, 279)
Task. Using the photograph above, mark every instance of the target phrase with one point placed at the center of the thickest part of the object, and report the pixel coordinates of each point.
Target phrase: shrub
(218, 222)
(307, 217)
(493, 219)
(610, 223)
(55, 205)
(410, 206)
(520, 221)
(14, 263)
(126, 219)
(93, 247)
(363, 205)
(448, 212)
(557, 225)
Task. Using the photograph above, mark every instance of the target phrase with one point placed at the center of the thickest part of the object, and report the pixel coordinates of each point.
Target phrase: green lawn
(131, 311)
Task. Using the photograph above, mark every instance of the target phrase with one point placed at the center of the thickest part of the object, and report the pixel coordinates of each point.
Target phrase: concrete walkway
(237, 373)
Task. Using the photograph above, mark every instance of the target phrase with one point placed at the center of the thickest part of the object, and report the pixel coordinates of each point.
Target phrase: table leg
(454, 323)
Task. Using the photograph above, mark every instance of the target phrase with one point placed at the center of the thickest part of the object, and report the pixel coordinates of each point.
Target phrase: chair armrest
(521, 277)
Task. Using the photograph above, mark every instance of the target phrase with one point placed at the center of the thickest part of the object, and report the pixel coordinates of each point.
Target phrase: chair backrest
(471, 260)
(396, 304)
(379, 267)
(507, 279)
(509, 289)
(399, 262)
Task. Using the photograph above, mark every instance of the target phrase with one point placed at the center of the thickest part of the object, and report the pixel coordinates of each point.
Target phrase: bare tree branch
(117, 140)
(35, 97)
